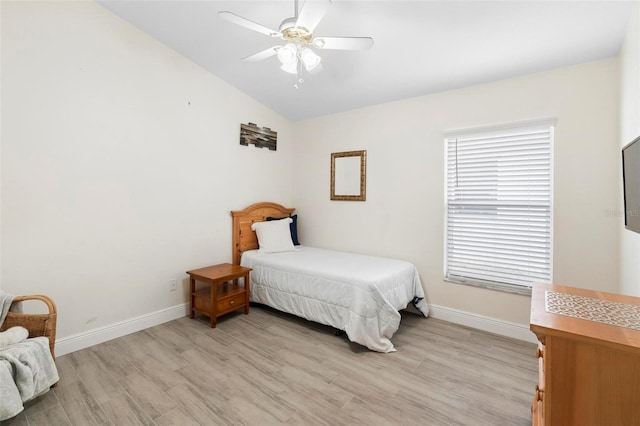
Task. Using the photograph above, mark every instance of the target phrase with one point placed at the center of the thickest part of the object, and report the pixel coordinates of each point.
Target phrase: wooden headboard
(243, 237)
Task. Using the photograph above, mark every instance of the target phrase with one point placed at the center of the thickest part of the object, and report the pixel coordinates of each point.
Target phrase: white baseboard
(99, 335)
(492, 325)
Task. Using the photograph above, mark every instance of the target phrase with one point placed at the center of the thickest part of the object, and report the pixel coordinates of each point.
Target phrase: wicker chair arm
(45, 299)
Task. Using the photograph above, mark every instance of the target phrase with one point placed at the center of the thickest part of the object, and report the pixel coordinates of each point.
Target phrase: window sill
(489, 285)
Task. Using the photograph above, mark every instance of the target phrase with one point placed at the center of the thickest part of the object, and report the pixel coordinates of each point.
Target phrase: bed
(358, 294)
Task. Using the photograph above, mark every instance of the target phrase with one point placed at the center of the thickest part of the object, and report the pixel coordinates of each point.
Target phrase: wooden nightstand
(223, 294)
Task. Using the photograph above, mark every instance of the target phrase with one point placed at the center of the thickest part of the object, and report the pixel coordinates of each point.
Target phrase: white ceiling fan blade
(312, 13)
(343, 43)
(267, 53)
(244, 22)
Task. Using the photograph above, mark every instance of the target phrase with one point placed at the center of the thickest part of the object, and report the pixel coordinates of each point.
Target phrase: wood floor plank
(255, 372)
(307, 383)
(247, 413)
(203, 365)
(133, 345)
(66, 372)
(318, 411)
(219, 336)
(99, 382)
(123, 410)
(170, 357)
(176, 417)
(273, 404)
(152, 400)
(170, 338)
(434, 416)
(79, 404)
(202, 407)
(51, 416)
(118, 362)
(160, 373)
(213, 348)
(309, 360)
(361, 410)
(388, 408)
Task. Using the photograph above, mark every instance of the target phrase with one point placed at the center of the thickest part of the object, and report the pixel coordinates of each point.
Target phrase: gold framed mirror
(349, 176)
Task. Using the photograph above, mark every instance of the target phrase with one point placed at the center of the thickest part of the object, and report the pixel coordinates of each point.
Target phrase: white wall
(629, 130)
(404, 213)
(120, 164)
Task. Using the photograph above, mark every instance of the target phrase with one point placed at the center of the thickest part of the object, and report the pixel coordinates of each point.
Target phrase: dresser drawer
(537, 405)
(541, 362)
(536, 413)
(230, 303)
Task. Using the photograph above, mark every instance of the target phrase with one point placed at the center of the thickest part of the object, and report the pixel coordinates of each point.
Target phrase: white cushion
(274, 236)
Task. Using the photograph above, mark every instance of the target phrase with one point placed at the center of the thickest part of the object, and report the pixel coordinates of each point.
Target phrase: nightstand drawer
(231, 303)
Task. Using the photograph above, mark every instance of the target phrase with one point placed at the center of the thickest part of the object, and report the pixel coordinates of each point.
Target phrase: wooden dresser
(588, 355)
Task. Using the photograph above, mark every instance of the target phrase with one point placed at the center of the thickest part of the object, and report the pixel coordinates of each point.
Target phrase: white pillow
(274, 236)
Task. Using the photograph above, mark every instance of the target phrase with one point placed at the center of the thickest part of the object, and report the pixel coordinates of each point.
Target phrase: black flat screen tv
(631, 185)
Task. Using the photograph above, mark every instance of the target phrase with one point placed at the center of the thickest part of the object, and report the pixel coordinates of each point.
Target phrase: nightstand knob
(232, 302)
(539, 353)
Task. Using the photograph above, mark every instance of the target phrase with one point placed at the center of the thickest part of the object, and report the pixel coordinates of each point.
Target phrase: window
(499, 215)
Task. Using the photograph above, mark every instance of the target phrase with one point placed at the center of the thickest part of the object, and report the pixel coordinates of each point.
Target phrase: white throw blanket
(5, 304)
(27, 370)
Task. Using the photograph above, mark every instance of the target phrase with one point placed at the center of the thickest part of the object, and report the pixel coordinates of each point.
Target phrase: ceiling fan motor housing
(293, 33)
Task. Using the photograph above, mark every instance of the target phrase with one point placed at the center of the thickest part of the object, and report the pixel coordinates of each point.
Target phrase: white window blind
(499, 192)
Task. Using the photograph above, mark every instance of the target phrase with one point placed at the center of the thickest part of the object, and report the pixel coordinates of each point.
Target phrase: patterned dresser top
(597, 310)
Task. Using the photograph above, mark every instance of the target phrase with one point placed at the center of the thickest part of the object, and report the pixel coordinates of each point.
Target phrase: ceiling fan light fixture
(291, 68)
(288, 54)
(309, 58)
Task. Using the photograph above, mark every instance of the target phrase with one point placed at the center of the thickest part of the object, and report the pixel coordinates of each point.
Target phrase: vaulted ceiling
(421, 47)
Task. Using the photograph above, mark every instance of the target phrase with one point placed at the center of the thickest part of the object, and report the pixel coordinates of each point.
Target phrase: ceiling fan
(297, 32)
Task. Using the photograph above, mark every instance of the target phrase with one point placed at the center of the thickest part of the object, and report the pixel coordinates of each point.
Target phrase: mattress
(352, 292)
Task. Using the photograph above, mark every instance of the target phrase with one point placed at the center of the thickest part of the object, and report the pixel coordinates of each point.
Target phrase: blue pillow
(293, 227)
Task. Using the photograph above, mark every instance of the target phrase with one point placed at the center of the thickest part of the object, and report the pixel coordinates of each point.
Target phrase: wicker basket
(37, 324)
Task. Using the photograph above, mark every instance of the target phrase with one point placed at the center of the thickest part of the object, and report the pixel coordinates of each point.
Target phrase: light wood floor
(268, 368)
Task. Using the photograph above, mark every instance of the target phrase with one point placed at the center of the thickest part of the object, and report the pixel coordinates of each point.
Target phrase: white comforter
(355, 293)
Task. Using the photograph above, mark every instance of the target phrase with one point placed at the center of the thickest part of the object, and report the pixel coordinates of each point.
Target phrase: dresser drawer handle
(232, 302)
(539, 393)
